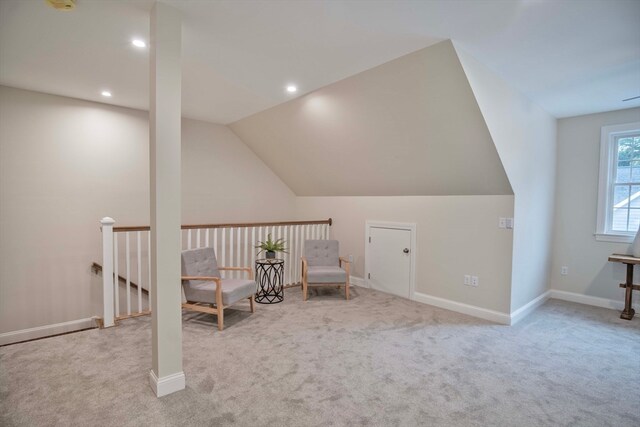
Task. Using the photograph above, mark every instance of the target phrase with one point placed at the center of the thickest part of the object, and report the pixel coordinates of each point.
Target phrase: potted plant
(270, 247)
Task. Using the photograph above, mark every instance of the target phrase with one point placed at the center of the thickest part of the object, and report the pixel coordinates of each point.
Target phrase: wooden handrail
(238, 225)
(97, 268)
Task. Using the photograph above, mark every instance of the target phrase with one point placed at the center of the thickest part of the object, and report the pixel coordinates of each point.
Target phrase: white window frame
(608, 157)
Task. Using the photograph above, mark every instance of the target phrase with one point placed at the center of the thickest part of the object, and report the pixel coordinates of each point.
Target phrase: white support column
(166, 375)
(107, 272)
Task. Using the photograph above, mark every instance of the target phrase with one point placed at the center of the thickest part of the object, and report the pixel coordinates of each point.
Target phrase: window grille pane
(635, 170)
(634, 219)
(625, 151)
(619, 220)
(624, 172)
(621, 196)
(635, 196)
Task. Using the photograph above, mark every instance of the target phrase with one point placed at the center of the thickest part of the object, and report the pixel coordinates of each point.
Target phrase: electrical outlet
(467, 280)
(350, 258)
(502, 222)
(510, 223)
(475, 281)
(564, 270)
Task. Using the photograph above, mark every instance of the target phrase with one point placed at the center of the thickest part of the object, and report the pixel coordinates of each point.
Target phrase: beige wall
(456, 235)
(577, 196)
(407, 127)
(224, 181)
(525, 137)
(65, 163)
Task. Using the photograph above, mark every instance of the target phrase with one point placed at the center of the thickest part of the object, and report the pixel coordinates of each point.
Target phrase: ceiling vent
(61, 4)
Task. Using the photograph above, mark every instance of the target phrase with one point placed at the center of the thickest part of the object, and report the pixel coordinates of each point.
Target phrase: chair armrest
(304, 266)
(247, 269)
(347, 267)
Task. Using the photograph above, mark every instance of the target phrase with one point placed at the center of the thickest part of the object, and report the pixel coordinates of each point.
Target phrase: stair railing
(126, 266)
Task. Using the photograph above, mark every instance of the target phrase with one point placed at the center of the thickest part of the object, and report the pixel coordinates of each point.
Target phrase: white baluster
(230, 264)
(259, 240)
(238, 260)
(116, 280)
(189, 239)
(224, 250)
(215, 241)
(287, 260)
(149, 265)
(276, 236)
(127, 262)
(107, 272)
(292, 259)
(252, 251)
(139, 256)
(301, 242)
(206, 238)
(198, 238)
(246, 249)
(290, 254)
(298, 252)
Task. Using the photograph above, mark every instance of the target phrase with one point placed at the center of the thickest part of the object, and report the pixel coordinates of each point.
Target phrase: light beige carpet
(376, 360)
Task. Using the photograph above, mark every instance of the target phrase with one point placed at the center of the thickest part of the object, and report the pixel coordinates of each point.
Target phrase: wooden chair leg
(251, 303)
(305, 290)
(220, 318)
(346, 290)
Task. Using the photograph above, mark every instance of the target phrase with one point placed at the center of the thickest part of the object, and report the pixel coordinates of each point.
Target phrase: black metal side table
(270, 278)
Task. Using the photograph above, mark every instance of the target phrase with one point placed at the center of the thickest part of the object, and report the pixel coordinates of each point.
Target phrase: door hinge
(369, 239)
(369, 275)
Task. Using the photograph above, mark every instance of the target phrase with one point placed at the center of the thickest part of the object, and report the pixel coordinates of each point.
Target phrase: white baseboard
(471, 310)
(528, 308)
(590, 300)
(357, 281)
(46, 330)
(166, 385)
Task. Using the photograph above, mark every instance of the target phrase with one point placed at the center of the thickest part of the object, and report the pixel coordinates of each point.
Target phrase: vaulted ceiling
(571, 57)
(411, 126)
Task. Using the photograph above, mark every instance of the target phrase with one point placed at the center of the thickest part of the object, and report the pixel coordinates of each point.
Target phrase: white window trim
(607, 157)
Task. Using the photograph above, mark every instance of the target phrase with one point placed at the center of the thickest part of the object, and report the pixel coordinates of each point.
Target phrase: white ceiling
(571, 56)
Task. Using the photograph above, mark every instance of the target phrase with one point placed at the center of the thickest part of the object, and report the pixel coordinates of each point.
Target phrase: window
(619, 189)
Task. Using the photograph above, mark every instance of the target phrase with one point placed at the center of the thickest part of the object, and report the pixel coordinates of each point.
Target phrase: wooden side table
(629, 261)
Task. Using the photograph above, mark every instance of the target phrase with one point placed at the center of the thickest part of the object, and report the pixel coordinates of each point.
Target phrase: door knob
(405, 250)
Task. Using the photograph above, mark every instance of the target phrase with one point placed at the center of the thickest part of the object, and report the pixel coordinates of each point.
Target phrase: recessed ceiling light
(292, 89)
(138, 43)
(106, 93)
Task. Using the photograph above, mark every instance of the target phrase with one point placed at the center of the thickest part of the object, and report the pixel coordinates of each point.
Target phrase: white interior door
(389, 260)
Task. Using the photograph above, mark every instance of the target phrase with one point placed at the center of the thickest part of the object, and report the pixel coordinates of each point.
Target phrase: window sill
(615, 238)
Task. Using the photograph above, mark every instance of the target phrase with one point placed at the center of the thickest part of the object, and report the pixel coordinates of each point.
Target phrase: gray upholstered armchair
(205, 291)
(322, 266)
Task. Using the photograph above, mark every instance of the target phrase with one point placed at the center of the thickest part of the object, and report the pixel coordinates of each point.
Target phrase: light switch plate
(467, 280)
(502, 222)
(509, 223)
